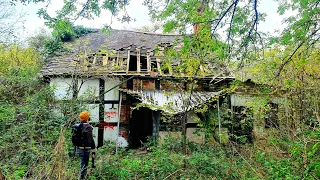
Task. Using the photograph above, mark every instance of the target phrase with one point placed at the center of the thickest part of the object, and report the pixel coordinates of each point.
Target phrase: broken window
(91, 58)
(133, 63)
(166, 70)
(99, 60)
(154, 65)
(143, 63)
(271, 117)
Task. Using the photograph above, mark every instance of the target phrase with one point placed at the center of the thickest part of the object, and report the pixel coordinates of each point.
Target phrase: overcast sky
(135, 10)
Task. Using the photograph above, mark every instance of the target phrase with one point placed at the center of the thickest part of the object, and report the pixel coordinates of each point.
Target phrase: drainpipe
(118, 125)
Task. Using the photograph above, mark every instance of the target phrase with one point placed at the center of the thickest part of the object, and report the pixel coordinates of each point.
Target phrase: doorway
(140, 127)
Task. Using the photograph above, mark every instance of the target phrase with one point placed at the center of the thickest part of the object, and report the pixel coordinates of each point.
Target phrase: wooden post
(120, 62)
(120, 59)
(117, 60)
(128, 60)
(138, 60)
(94, 59)
(158, 66)
(85, 65)
(104, 60)
(113, 62)
(148, 62)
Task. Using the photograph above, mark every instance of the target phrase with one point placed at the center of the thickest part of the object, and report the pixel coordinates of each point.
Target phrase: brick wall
(125, 114)
(148, 84)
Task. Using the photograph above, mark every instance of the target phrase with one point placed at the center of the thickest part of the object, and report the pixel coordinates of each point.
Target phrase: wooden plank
(148, 63)
(138, 61)
(128, 61)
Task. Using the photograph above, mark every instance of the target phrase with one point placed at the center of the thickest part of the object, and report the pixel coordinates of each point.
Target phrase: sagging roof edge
(168, 107)
(214, 79)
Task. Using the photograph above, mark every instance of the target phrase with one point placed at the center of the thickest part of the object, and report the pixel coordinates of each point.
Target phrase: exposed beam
(128, 60)
(138, 60)
(120, 62)
(148, 62)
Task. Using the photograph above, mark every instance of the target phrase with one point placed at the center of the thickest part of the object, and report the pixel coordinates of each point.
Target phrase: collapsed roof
(65, 63)
(172, 102)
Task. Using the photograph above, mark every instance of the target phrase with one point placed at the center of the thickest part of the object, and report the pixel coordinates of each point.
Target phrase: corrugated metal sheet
(174, 103)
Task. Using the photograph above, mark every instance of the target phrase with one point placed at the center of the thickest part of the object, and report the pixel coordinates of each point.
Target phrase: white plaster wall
(241, 100)
(194, 137)
(113, 94)
(110, 133)
(93, 109)
(192, 117)
(63, 88)
(89, 88)
(111, 114)
(191, 137)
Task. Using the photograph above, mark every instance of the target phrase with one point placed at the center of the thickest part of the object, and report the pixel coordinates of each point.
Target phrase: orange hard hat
(84, 116)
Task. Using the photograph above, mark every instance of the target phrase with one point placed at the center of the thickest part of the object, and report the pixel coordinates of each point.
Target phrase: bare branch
(294, 52)
(82, 10)
(223, 15)
(255, 21)
(231, 21)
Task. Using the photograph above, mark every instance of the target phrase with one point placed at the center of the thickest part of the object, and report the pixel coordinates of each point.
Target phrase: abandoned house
(117, 72)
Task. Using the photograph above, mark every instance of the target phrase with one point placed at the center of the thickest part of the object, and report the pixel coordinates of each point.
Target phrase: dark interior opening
(154, 66)
(143, 62)
(133, 63)
(140, 127)
(271, 117)
(165, 70)
(242, 125)
(124, 63)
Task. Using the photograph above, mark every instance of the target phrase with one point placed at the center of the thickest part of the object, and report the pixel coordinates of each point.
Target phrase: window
(133, 63)
(143, 63)
(154, 65)
(242, 125)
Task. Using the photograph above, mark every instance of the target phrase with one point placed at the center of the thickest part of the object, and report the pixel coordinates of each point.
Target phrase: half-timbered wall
(63, 88)
(103, 107)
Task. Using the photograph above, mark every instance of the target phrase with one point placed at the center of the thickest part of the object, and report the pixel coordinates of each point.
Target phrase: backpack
(82, 135)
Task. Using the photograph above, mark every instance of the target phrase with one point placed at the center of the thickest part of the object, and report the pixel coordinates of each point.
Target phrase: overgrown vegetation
(48, 44)
(35, 135)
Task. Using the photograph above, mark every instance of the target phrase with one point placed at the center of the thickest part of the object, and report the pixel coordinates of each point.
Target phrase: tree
(235, 23)
(9, 21)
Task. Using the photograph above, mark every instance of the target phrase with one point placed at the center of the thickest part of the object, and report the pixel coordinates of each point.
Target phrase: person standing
(82, 139)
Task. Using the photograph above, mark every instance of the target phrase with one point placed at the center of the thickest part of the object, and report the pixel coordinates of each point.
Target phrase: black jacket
(82, 135)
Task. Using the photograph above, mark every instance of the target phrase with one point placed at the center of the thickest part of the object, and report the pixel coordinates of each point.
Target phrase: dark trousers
(84, 155)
